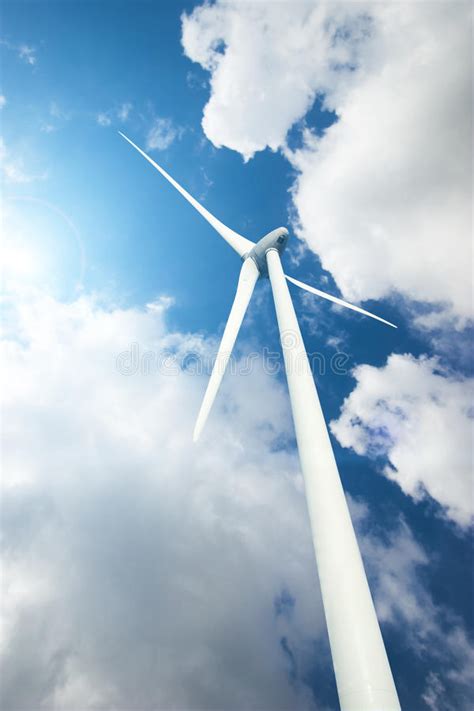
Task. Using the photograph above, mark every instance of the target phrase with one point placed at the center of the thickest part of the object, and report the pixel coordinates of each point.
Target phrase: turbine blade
(337, 301)
(242, 245)
(247, 280)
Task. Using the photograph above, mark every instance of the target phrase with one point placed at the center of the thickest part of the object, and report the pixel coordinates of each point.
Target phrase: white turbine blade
(337, 301)
(242, 245)
(247, 280)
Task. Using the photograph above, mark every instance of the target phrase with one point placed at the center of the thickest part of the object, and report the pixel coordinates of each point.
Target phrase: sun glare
(40, 247)
(20, 262)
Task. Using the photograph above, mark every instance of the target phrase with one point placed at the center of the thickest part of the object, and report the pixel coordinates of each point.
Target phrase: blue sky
(329, 136)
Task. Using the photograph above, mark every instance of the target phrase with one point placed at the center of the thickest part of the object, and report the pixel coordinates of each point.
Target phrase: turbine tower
(363, 676)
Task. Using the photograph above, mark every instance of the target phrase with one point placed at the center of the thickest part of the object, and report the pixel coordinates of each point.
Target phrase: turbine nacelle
(276, 239)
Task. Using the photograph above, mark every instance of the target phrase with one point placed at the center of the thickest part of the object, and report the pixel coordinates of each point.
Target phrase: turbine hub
(276, 239)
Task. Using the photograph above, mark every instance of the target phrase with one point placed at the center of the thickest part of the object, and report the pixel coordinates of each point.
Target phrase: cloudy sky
(144, 573)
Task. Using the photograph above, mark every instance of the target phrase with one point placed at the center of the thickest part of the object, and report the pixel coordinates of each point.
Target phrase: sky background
(141, 571)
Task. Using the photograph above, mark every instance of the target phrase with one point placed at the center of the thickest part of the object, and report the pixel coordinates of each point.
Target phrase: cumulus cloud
(56, 111)
(123, 112)
(420, 417)
(383, 196)
(103, 119)
(12, 167)
(437, 637)
(57, 115)
(120, 113)
(27, 54)
(161, 134)
(142, 571)
(3, 101)
(267, 62)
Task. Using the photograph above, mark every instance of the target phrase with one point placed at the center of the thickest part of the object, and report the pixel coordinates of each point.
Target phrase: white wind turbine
(363, 675)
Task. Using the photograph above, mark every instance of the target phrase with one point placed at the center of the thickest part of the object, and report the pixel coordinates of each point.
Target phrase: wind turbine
(363, 676)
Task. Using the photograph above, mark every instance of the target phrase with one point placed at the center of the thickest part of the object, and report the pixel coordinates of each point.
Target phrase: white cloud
(103, 119)
(384, 195)
(438, 638)
(3, 101)
(123, 112)
(394, 172)
(267, 61)
(27, 54)
(13, 169)
(141, 571)
(420, 417)
(57, 115)
(23, 51)
(56, 111)
(48, 128)
(161, 134)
